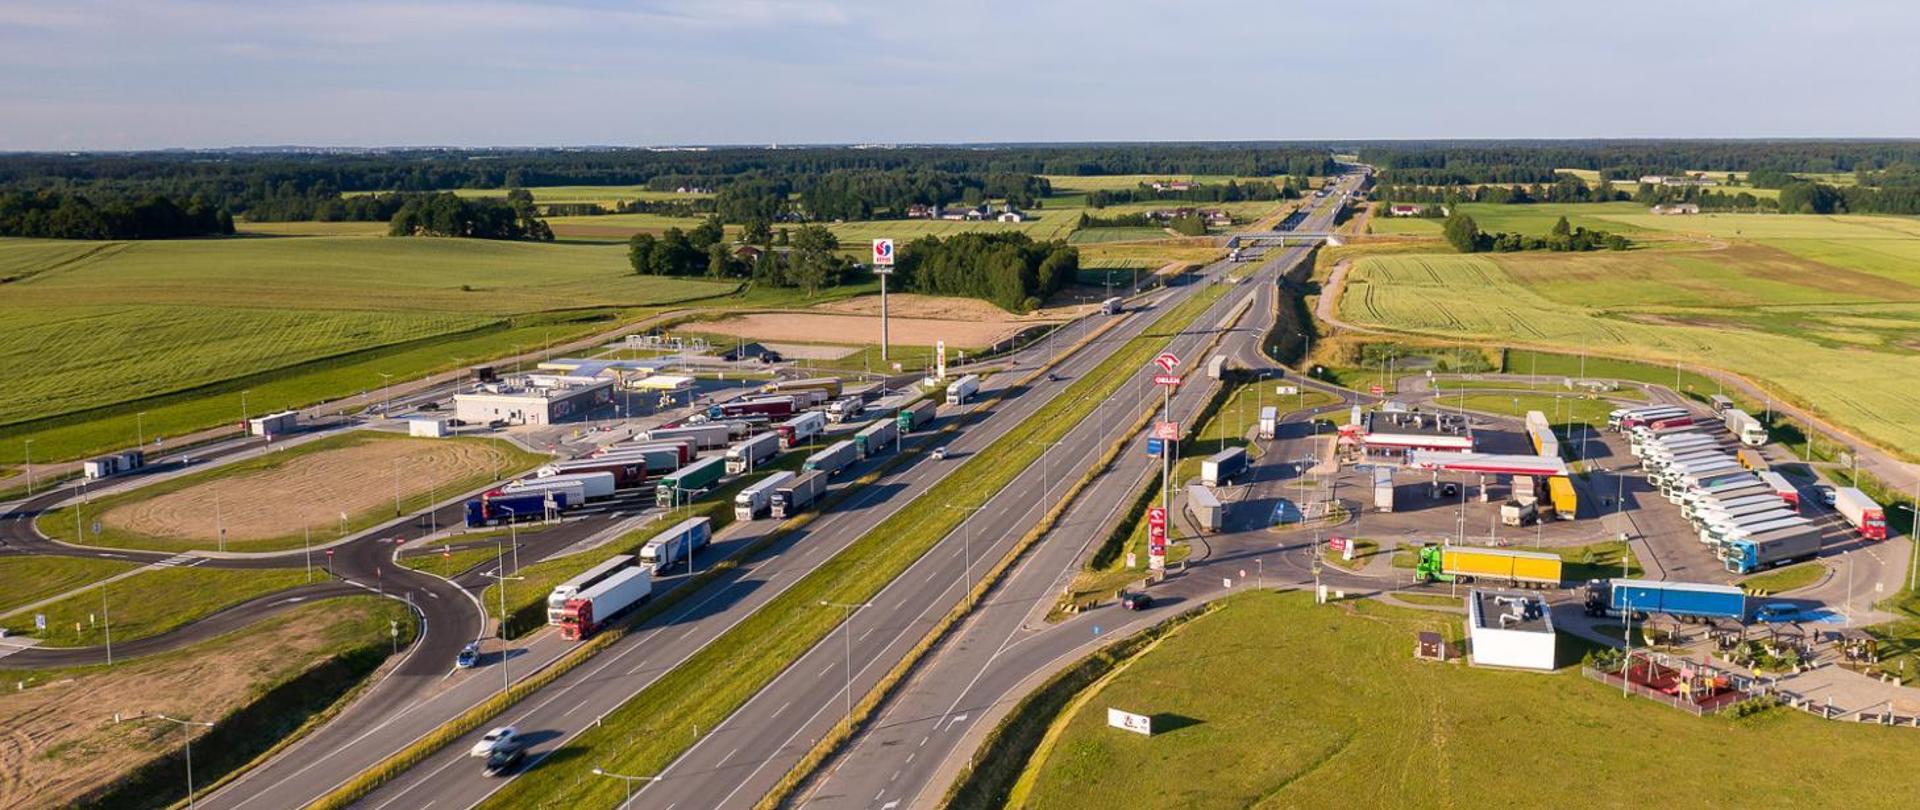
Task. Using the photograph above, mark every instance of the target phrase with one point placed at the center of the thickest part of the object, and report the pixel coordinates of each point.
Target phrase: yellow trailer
(1751, 459)
(1517, 567)
(1565, 503)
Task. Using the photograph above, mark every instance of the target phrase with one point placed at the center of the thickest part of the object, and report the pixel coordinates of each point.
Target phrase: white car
(499, 739)
(939, 453)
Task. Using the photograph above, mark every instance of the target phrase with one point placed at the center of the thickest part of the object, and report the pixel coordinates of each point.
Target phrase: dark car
(429, 406)
(770, 357)
(502, 761)
(1136, 601)
(1449, 490)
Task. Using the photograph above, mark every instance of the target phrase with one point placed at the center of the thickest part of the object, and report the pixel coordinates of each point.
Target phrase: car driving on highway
(499, 739)
(469, 656)
(502, 761)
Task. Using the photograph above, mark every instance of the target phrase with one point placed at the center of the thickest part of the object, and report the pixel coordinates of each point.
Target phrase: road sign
(940, 359)
(1376, 390)
(1166, 379)
(1167, 361)
(1136, 723)
(883, 255)
(1286, 390)
(1169, 431)
(39, 621)
(1156, 447)
(96, 528)
(1156, 532)
(1337, 543)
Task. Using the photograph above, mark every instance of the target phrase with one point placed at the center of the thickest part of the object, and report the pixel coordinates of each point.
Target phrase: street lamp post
(626, 780)
(244, 413)
(847, 627)
(966, 546)
(186, 727)
(140, 430)
(500, 573)
(386, 395)
(29, 458)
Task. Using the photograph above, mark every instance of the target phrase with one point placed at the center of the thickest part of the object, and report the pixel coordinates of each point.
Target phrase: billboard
(883, 255)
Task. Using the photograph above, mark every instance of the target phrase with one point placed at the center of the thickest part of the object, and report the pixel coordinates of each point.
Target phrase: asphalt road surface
(742, 759)
(569, 705)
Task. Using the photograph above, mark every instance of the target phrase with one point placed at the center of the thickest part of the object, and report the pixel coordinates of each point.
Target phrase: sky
(140, 74)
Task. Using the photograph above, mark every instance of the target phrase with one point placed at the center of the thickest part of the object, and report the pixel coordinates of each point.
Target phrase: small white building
(273, 424)
(533, 400)
(427, 427)
(1509, 630)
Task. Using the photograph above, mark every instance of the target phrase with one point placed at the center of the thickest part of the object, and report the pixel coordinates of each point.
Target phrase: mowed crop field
(85, 325)
(1322, 706)
(1837, 335)
(268, 502)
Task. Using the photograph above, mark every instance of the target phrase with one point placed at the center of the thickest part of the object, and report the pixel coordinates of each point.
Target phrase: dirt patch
(910, 305)
(859, 329)
(60, 742)
(309, 491)
(805, 351)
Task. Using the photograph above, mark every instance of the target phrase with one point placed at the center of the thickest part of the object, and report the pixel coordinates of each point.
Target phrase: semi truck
(830, 385)
(1775, 548)
(800, 429)
(1629, 418)
(564, 592)
(685, 484)
(1751, 459)
(1861, 512)
(500, 507)
(1113, 306)
(1720, 535)
(1744, 427)
(1566, 504)
(1383, 488)
(1688, 600)
(831, 460)
(963, 389)
(627, 472)
(684, 450)
(797, 494)
(705, 437)
(876, 438)
(751, 453)
(767, 407)
(1703, 511)
(845, 408)
(1541, 434)
(915, 416)
(1217, 367)
(1269, 422)
(757, 498)
(1467, 564)
(680, 542)
(1715, 525)
(1222, 467)
(1782, 487)
(594, 607)
(583, 487)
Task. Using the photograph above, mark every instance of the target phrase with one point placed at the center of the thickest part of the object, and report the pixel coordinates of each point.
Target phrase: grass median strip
(151, 602)
(642, 736)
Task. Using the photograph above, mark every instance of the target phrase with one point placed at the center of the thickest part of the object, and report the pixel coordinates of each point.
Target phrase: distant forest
(1885, 174)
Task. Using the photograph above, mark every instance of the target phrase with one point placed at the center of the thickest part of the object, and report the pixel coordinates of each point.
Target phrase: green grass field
(1571, 409)
(1324, 707)
(93, 332)
(1835, 339)
(413, 496)
(1785, 579)
(706, 688)
(152, 602)
(31, 578)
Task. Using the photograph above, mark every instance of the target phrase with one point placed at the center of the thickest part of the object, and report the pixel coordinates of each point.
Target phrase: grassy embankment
(707, 687)
(171, 329)
(152, 602)
(1781, 580)
(31, 578)
(1233, 681)
(261, 686)
(60, 523)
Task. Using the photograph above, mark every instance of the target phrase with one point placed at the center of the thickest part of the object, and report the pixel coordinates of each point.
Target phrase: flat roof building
(1394, 431)
(1509, 630)
(533, 400)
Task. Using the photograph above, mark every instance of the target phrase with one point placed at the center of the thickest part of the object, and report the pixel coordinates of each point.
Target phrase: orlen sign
(1156, 532)
(882, 254)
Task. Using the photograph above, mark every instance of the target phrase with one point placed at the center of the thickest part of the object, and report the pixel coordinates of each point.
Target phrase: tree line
(449, 214)
(1524, 162)
(1465, 236)
(1230, 191)
(62, 215)
(1007, 268)
(1565, 188)
(807, 258)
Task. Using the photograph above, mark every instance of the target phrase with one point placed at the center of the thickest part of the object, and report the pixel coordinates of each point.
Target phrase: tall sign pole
(1168, 433)
(883, 267)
